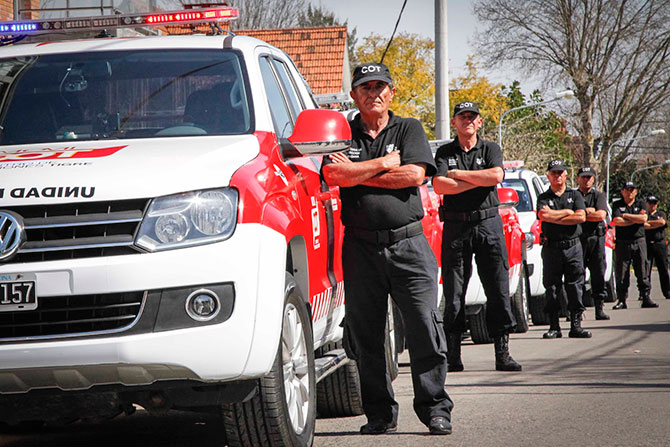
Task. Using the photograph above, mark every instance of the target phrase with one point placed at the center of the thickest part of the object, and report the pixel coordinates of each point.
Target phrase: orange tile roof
(319, 53)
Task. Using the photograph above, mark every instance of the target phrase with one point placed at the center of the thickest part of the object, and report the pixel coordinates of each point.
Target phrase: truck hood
(119, 169)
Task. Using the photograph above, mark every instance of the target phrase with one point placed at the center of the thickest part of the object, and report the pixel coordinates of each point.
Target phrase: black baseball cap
(466, 106)
(629, 185)
(652, 199)
(556, 165)
(371, 72)
(586, 171)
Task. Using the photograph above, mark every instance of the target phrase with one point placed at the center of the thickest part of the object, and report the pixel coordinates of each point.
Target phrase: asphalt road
(610, 390)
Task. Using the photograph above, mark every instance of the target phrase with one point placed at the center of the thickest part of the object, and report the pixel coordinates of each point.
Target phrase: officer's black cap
(556, 165)
(629, 185)
(652, 199)
(586, 171)
(371, 72)
(466, 106)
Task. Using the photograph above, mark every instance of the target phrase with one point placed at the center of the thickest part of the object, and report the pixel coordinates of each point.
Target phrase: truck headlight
(187, 219)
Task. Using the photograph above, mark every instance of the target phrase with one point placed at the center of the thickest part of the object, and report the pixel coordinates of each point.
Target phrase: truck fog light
(203, 305)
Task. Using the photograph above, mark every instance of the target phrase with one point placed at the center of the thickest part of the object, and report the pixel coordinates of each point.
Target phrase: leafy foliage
(411, 61)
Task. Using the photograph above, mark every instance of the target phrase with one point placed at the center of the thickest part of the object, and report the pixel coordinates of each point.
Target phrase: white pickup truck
(165, 237)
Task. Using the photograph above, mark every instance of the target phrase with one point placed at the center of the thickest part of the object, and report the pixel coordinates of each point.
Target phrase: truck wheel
(609, 287)
(283, 411)
(520, 303)
(478, 330)
(536, 306)
(339, 394)
(390, 345)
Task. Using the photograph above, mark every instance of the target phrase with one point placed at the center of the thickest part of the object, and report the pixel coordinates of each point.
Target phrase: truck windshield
(122, 94)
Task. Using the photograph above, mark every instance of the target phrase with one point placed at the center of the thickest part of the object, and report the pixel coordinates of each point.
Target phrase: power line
(394, 30)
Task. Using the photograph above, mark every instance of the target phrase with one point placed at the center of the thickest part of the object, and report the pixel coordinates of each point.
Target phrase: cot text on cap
(370, 69)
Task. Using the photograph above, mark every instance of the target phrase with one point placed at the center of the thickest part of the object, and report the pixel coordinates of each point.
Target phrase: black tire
(536, 305)
(265, 419)
(587, 297)
(390, 344)
(609, 288)
(519, 303)
(339, 394)
(478, 330)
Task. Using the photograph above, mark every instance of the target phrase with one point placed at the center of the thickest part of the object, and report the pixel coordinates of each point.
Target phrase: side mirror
(508, 197)
(320, 132)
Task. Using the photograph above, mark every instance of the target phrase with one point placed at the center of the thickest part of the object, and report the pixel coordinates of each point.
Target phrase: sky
(370, 16)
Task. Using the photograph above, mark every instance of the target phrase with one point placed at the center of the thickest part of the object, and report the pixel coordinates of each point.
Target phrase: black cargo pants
(559, 263)
(407, 270)
(625, 253)
(593, 249)
(485, 240)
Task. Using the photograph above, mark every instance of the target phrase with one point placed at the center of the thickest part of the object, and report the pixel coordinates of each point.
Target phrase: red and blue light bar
(140, 20)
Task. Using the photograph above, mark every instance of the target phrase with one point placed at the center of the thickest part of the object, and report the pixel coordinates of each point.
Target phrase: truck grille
(73, 315)
(79, 230)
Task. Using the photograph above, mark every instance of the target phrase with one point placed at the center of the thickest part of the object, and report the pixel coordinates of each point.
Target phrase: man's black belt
(563, 244)
(386, 237)
(468, 216)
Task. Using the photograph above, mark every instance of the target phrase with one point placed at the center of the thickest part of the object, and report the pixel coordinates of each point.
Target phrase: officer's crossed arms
(457, 181)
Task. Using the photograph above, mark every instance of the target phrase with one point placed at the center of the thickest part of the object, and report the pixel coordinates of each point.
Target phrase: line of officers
(573, 238)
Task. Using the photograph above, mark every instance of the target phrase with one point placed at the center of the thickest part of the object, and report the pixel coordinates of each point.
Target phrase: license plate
(17, 292)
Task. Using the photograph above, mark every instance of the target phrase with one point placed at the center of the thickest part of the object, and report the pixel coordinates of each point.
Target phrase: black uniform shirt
(656, 234)
(372, 208)
(593, 199)
(484, 155)
(630, 232)
(571, 199)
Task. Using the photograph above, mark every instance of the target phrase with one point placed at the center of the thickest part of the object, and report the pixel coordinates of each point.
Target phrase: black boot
(454, 363)
(504, 361)
(554, 327)
(600, 314)
(648, 302)
(576, 330)
(620, 305)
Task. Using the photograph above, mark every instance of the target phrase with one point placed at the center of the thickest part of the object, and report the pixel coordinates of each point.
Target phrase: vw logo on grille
(11, 234)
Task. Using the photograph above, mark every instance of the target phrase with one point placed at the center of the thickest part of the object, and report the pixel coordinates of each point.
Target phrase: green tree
(412, 63)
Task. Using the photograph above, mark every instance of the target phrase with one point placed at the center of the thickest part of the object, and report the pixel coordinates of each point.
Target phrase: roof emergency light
(139, 20)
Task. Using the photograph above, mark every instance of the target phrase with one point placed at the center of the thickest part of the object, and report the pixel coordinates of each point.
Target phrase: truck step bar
(330, 361)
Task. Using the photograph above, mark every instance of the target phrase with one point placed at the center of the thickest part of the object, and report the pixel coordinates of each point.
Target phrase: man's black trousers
(486, 240)
(557, 264)
(625, 253)
(657, 253)
(593, 248)
(407, 270)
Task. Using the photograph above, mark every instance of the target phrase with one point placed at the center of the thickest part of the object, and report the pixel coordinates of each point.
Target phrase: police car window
(123, 94)
(289, 87)
(521, 189)
(278, 107)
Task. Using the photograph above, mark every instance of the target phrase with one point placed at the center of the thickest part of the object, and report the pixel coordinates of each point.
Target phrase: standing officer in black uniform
(385, 252)
(468, 170)
(628, 218)
(562, 210)
(654, 234)
(593, 237)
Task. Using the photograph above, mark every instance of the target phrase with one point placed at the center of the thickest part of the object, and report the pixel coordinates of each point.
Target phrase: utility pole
(441, 72)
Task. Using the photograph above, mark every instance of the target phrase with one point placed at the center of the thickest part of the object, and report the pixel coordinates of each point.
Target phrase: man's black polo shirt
(571, 199)
(656, 234)
(597, 200)
(484, 155)
(371, 208)
(629, 232)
